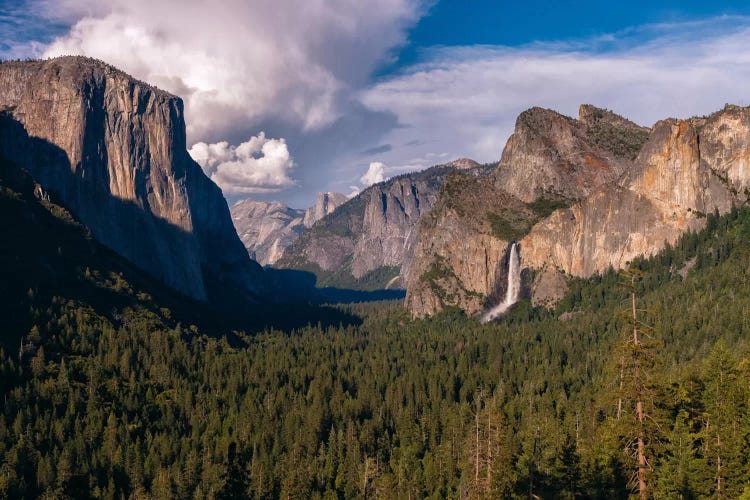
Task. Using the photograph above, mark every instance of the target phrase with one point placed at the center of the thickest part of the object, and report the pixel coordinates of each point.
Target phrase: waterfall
(514, 286)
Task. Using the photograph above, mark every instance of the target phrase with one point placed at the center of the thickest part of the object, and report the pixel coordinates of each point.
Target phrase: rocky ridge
(267, 229)
(682, 171)
(551, 155)
(369, 241)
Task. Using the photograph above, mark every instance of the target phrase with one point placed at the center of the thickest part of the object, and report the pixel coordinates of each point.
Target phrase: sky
(284, 98)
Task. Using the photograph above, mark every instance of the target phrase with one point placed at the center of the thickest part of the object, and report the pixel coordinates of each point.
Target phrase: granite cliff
(369, 241)
(267, 229)
(686, 169)
(113, 150)
(603, 190)
(553, 156)
(550, 161)
(325, 204)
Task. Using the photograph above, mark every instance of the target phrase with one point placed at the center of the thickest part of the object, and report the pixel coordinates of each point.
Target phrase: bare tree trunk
(635, 319)
(622, 377)
(476, 462)
(639, 408)
(364, 481)
(532, 467)
(489, 450)
(641, 454)
(718, 466)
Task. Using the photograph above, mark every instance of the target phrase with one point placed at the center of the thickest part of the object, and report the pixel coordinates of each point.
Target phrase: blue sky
(467, 22)
(286, 99)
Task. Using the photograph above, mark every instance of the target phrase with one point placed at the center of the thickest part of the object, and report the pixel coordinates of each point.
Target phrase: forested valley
(112, 394)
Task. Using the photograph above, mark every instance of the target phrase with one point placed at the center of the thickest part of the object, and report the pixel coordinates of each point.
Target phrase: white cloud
(239, 61)
(259, 165)
(464, 100)
(375, 173)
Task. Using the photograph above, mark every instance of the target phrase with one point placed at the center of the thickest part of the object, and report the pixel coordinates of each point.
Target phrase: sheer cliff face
(549, 161)
(375, 230)
(113, 150)
(725, 145)
(325, 205)
(266, 229)
(686, 169)
(389, 225)
(459, 258)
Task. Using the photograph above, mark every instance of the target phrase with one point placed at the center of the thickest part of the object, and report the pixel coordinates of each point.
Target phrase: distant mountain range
(266, 229)
(369, 241)
(577, 195)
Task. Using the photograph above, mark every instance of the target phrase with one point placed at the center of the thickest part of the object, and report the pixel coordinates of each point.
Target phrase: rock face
(548, 287)
(463, 164)
(686, 169)
(388, 226)
(371, 237)
(325, 205)
(113, 149)
(550, 161)
(552, 156)
(615, 212)
(266, 229)
(460, 258)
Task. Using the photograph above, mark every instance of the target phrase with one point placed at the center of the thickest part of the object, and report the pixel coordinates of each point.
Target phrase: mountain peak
(80, 69)
(325, 204)
(266, 229)
(463, 164)
(551, 155)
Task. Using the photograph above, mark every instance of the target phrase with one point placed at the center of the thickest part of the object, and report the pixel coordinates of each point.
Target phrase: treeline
(134, 404)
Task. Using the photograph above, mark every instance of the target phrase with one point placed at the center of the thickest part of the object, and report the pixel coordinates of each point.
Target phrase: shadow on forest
(299, 286)
(299, 303)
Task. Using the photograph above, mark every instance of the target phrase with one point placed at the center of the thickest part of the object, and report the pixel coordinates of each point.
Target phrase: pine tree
(636, 417)
(724, 437)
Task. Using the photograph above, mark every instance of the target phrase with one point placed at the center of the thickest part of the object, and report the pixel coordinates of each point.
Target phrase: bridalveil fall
(514, 286)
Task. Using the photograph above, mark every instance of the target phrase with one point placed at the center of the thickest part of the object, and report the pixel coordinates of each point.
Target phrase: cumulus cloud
(464, 100)
(242, 61)
(375, 173)
(259, 165)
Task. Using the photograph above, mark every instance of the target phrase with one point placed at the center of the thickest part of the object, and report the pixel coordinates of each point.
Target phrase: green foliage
(623, 141)
(437, 275)
(377, 279)
(544, 206)
(512, 225)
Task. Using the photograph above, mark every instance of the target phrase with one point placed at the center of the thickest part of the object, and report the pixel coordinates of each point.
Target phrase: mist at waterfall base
(513, 289)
